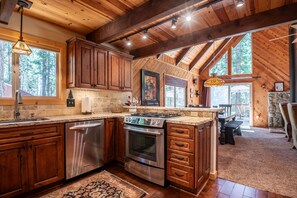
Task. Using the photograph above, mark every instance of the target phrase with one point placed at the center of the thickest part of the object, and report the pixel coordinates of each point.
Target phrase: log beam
(6, 10)
(275, 17)
(182, 55)
(145, 14)
(199, 55)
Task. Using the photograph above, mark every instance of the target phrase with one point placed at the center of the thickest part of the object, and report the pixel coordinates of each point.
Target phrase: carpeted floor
(262, 160)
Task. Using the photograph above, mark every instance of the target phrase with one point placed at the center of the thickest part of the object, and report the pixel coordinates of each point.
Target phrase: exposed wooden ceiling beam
(6, 9)
(182, 55)
(199, 55)
(147, 13)
(282, 15)
(215, 53)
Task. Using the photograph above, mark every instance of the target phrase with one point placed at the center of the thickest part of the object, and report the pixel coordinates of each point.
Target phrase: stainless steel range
(145, 145)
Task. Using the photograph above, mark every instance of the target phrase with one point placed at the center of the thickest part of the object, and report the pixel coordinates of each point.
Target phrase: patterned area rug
(261, 160)
(101, 185)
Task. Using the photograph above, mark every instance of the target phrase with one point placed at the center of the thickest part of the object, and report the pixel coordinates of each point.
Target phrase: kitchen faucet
(18, 100)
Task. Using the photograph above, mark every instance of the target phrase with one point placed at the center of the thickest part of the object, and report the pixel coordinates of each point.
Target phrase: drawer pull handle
(179, 131)
(179, 144)
(179, 175)
(26, 134)
(179, 158)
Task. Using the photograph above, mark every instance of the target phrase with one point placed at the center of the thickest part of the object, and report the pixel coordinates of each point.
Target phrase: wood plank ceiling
(86, 16)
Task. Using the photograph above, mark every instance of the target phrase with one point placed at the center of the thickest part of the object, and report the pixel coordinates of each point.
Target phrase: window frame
(230, 60)
(174, 81)
(41, 43)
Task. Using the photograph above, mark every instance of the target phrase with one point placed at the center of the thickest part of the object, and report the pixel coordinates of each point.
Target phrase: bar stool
(292, 110)
(284, 111)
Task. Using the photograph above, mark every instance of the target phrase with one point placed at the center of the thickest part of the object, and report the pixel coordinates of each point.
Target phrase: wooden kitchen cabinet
(120, 141)
(120, 77)
(13, 169)
(30, 157)
(44, 160)
(188, 155)
(94, 66)
(109, 140)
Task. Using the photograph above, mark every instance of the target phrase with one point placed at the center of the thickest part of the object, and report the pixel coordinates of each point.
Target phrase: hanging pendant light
(20, 47)
(214, 81)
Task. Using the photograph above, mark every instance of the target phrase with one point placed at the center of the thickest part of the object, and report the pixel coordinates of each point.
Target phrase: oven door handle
(143, 131)
(84, 126)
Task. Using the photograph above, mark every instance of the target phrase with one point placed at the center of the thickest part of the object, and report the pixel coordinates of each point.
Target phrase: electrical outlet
(70, 103)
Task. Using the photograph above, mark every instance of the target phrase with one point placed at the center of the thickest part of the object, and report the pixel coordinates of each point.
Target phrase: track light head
(173, 23)
(128, 42)
(239, 3)
(189, 17)
(144, 35)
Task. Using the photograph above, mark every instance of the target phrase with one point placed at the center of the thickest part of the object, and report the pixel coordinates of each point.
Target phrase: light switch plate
(70, 103)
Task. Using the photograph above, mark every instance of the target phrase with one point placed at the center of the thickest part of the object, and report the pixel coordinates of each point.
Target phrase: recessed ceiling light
(128, 42)
(144, 35)
(239, 3)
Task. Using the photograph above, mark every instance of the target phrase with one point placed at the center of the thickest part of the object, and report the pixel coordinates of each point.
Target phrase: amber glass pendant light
(20, 47)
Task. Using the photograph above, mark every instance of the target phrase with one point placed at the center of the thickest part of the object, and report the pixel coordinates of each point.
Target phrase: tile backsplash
(102, 101)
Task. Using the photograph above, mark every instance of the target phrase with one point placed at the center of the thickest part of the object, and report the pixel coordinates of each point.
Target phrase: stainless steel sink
(22, 120)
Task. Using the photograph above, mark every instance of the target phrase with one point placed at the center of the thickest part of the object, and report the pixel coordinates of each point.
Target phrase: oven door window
(143, 146)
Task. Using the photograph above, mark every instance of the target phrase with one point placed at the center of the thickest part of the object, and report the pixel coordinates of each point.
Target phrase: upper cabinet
(119, 72)
(93, 66)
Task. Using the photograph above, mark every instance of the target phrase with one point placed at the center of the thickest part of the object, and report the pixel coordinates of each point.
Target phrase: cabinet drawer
(16, 134)
(181, 144)
(179, 130)
(182, 158)
(181, 175)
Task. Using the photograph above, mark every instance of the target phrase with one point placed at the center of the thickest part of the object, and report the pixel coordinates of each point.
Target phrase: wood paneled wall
(165, 65)
(271, 62)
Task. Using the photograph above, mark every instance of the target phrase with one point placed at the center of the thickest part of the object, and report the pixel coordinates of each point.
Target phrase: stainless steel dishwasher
(84, 147)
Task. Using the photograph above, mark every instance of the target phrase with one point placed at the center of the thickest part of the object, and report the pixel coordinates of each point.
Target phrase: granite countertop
(189, 120)
(63, 119)
(175, 108)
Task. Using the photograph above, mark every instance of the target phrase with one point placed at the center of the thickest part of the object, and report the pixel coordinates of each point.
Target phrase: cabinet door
(84, 65)
(13, 169)
(207, 142)
(120, 141)
(109, 149)
(126, 77)
(45, 161)
(100, 69)
(114, 71)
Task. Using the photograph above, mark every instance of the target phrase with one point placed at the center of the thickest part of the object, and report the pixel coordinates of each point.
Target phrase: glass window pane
(5, 69)
(180, 94)
(242, 56)
(38, 73)
(169, 96)
(219, 95)
(221, 68)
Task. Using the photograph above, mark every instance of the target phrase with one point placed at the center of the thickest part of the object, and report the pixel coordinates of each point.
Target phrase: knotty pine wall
(164, 65)
(271, 62)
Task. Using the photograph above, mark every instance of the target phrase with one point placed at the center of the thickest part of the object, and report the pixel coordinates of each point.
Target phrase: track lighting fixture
(128, 42)
(144, 35)
(173, 23)
(239, 3)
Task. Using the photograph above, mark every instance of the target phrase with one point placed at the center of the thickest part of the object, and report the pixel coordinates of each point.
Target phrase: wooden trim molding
(60, 48)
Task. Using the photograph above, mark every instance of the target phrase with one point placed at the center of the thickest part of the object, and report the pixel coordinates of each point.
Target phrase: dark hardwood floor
(218, 188)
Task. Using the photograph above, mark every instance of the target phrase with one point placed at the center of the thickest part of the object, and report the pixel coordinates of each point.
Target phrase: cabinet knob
(31, 146)
(179, 175)
(179, 144)
(24, 146)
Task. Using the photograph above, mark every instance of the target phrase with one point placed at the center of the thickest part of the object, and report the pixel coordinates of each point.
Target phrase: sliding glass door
(239, 95)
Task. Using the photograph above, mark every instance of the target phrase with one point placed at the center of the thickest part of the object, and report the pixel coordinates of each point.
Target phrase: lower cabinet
(114, 144)
(109, 140)
(188, 155)
(120, 141)
(30, 157)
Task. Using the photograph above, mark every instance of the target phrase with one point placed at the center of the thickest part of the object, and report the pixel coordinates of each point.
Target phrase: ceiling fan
(295, 41)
